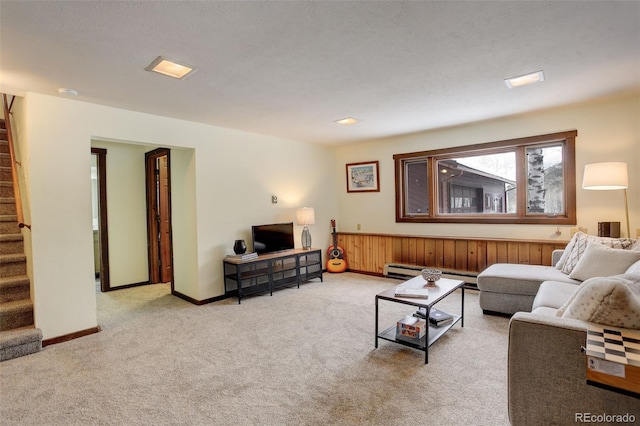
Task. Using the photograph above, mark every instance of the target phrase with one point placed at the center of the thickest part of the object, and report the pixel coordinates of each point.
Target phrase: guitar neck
(334, 233)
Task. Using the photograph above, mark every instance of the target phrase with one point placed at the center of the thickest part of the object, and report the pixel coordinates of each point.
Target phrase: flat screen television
(272, 237)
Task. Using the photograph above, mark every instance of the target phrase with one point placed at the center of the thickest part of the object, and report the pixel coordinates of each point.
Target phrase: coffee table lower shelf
(434, 334)
(437, 293)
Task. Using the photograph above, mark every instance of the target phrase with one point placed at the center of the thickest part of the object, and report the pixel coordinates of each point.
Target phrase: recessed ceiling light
(170, 67)
(347, 121)
(525, 79)
(65, 91)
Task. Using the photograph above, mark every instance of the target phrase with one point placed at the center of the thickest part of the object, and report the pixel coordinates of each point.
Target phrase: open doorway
(100, 225)
(158, 178)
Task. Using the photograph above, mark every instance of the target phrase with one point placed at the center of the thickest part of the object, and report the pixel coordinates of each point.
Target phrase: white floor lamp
(606, 177)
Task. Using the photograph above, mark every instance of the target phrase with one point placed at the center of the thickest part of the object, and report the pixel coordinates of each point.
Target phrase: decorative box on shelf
(411, 329)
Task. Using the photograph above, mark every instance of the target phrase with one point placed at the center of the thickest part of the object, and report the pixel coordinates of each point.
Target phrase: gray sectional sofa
(507, 288)
(546, 364)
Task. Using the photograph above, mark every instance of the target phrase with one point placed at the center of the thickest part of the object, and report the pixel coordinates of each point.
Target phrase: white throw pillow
(567, 251)
(598, 260)
(580, 244)
(613, 301)
(634, 269)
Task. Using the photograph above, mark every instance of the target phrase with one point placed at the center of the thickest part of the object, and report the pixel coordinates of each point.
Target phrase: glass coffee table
(443, 288)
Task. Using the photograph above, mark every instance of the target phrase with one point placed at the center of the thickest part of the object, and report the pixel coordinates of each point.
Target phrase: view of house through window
(528, 180)
(478, 184)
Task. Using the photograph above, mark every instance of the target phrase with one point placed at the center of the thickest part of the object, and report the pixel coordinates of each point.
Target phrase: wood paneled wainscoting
(368, 253)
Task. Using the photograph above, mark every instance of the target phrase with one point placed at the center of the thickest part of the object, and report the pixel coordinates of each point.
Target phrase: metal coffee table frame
(444, 287)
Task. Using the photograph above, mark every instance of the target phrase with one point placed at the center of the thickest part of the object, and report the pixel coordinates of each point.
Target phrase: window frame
(519, 146)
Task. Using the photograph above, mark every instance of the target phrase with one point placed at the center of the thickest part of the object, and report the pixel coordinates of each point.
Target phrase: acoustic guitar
(335, 254)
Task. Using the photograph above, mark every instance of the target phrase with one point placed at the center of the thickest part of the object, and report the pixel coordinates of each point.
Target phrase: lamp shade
(605, 176)
(306, 216)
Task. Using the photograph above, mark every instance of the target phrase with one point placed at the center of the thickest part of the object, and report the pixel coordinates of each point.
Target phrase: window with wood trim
(525, 180)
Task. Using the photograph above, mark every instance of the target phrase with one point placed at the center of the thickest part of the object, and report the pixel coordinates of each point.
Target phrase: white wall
(126, 212)
(224, 186)
(61, 237)
(607, 131)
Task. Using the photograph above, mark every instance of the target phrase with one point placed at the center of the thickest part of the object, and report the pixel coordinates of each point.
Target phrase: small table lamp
(605, 177)
(306, 216)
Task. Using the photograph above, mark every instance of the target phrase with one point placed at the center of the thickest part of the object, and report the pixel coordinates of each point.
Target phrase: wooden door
(158, 172)
(166, 266)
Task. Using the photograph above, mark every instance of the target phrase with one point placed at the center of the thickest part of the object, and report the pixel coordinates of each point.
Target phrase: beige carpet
(300, 357)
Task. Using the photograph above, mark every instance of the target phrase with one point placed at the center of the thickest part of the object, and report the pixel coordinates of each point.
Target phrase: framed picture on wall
(363, 177)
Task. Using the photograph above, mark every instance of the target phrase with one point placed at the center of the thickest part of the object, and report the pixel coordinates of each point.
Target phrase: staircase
(18, 336)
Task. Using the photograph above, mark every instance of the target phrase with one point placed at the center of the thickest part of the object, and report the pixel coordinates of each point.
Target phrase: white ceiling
(290, 69)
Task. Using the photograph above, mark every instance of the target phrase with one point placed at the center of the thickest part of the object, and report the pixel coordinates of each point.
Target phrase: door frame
(152, 224)
(103, 226)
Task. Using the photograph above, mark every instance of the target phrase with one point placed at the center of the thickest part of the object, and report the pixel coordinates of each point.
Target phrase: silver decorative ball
(431, 275)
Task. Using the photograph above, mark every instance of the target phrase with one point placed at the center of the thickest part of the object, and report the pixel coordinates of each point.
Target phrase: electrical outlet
(359, 227)
(578, 229)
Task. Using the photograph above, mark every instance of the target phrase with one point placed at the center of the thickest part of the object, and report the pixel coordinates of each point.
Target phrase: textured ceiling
(290, 69)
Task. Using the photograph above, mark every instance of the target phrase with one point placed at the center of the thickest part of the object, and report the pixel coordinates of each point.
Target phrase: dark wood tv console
(271, 271)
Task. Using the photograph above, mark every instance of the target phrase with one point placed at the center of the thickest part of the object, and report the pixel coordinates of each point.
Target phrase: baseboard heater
(402, 271)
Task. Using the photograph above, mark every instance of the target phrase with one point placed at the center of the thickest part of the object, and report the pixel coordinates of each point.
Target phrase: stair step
(16, 314)
(4, 145)
(12, 265)
(6, 189)
(12, 258)
(20, 342)
(15, 288)
(12, 247)
(5, 174)
(9, 224)
(11, 244)
(5, 160)
(8, 238)
(7, 206)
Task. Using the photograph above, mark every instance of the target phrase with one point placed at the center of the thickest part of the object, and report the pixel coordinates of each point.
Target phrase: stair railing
(14, 164)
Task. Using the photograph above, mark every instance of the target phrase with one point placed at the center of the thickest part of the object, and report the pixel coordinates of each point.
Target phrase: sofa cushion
(504, 303)
(512, 278)
(545, 311)
(567, 250)
(634, 269)
(553, 294)
(613, 301)
(601, 261)
(578, 243)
